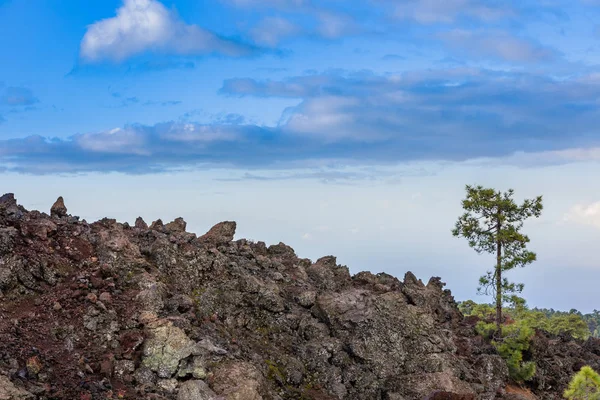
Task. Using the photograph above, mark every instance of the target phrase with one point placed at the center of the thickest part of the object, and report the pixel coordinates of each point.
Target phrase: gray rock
(221, 233)
(8, 391)
(166, 346)
(178, 225)
(238, 381)
(195, 390)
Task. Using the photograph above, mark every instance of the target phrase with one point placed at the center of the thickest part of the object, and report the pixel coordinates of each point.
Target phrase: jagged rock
(196, 390)
(39, 228)
(123, 367)
(194, 367)
(140, 223)
(159, 311)
(59, 209)
(328, 275)
(178, 225)
(157, 225)
(151, 294)
(221, 233)
(238, 381)
(166, 346)
(205, 345)
(8, 391)
(168, 385)
(8, 199)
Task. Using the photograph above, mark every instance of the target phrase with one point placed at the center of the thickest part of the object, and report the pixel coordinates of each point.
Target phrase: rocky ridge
(107, 310)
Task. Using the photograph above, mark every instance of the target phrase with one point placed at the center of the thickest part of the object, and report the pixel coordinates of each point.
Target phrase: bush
(585, 385)
(516, 336)
(516, 339)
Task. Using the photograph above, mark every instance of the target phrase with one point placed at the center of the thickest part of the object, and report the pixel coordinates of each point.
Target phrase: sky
(338, 127)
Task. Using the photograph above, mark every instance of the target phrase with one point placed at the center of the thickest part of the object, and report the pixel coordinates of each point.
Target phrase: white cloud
(584, 214)
(120, 141)
(271, 30)
(147, 25)
(307, 236)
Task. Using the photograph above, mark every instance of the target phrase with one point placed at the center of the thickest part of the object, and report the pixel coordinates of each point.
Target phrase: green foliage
(516, 336)
(592, 320)
(515, 340)
(571, 324)
(492, 223)
(585, 385)
(466, 307)
(485, 329)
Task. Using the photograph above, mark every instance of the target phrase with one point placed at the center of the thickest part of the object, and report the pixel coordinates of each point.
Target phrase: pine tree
(492, 223)
(585, 385)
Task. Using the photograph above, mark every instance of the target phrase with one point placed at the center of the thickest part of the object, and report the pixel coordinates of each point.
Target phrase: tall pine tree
(492, 223)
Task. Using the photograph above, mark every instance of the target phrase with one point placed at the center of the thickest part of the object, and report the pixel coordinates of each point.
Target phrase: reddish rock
(96, 282)
(178, 225)
(105, 297)
(140, 223)
(59, 209)
(92, 298)
(106, 366)
(157, 225)
(221, 233)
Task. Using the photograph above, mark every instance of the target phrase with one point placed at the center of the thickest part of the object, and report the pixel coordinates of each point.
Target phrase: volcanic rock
(109, 311)
(59, 209)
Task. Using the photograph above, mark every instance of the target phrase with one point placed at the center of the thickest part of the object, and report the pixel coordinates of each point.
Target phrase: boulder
(238, 381)
(140, 223)
(8, 199)
(195, 390)
(58, 209)
(165, 347)
(178, 225)
(221, 233)
(8, 391)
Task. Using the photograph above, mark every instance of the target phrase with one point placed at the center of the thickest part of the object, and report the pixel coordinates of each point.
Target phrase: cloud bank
(361, 117)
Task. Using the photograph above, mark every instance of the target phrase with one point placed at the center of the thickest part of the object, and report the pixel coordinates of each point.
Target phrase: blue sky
(344, 127)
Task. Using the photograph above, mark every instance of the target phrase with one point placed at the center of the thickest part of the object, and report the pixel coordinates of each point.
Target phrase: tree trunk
(498, 282)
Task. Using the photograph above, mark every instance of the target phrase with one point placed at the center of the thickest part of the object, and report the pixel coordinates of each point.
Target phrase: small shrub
(516, 339)
(585, 385)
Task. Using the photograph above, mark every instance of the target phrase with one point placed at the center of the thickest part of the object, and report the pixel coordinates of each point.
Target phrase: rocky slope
(106, 310)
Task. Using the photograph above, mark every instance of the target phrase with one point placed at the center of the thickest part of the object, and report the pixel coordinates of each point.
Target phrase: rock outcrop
(59, 209)
(109, 310)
